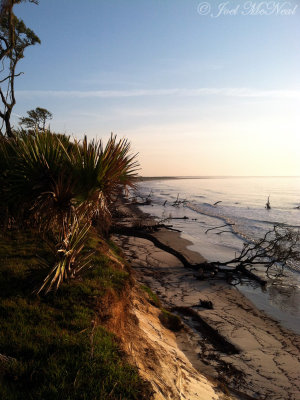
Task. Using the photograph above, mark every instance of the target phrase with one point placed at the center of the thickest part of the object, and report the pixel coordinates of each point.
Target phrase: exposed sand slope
(160, 361)
(154, 349)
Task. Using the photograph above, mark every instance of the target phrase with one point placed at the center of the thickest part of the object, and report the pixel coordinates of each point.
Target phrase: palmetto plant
(100, 172)
(54, 185)
(35, 166)
(68, 252)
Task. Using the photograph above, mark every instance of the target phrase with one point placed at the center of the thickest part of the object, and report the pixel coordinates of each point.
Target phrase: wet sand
(251, 353)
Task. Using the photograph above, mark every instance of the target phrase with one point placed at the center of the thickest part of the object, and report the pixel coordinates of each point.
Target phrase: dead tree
(217, 227)
(279, 248)
(178, 202)
(15, 37)
(217, 202)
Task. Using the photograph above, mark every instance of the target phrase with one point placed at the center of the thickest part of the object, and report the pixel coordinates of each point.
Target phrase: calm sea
(241, 202)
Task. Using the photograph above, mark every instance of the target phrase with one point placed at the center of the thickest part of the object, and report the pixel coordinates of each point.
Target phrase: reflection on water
(284, 297)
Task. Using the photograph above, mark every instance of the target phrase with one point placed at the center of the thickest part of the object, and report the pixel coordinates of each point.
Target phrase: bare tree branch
(217, 227)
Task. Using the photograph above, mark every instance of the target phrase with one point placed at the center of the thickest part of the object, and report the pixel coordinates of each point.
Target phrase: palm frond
(70, 259)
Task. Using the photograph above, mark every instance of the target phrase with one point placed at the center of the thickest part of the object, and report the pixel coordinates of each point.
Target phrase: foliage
(69, 258)
(36, 119)
(154, 300)
(170, 321)
(54, 346)
(61, 188)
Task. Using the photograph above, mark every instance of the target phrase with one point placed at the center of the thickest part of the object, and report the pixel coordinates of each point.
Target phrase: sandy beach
(233, 342)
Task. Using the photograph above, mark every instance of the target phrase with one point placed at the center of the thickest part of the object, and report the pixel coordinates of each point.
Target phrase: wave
(246, 229)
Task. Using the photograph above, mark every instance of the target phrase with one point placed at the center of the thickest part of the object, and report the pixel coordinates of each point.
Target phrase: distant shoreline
(153, 178)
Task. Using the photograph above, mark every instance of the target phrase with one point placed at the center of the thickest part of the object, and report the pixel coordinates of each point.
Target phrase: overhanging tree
(15, 37)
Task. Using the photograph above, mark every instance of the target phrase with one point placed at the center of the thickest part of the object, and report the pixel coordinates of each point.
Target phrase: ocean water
(241, 203)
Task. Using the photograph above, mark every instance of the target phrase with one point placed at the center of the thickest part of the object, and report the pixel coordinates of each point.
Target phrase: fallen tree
(279, 248)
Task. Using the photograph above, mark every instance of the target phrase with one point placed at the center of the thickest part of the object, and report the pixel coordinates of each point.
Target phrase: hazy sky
(196, 94)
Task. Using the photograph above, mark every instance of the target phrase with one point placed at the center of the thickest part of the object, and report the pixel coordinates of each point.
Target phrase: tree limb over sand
(131, 231)
(279, 248)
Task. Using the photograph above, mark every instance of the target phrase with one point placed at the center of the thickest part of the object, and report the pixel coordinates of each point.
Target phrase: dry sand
(257, 359)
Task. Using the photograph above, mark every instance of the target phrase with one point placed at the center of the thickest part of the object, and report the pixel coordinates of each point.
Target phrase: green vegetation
(61, 188)
(56, 346)
(154, 300)
(169, 320)
(55, 199)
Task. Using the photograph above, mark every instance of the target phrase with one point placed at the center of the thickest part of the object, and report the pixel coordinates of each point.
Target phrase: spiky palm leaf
(70, 260)
(37, 166)
(100, 172)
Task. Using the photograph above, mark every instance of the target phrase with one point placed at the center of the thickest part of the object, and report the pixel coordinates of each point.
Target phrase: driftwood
(213, 268)
(217, 202)
(185, 217)
(204, 269)
(144, 203)
(177, 202)
(152, 228)
(217, 227)
(129, 231)
(277, 248)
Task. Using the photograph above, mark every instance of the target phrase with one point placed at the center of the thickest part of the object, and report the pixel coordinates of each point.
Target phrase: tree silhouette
(36, 119)
(15, 37)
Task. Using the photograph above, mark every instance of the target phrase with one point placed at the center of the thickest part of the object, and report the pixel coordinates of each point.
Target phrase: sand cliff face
(155, 352)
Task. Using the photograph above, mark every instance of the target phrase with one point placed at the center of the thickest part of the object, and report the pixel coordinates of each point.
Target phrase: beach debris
(217, 202)
(170, 321)
(206, 304)
(276, 250)
(268, 205)
(145, 201)
(200, 274)
(217, 227)
(185, 217)
(165, 203)
(178, 202)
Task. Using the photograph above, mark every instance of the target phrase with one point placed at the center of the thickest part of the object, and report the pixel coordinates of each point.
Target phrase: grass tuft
(170, 321)
(153, 299)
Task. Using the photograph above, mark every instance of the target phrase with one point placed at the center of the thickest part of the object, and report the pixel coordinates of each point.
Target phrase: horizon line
(217, 176)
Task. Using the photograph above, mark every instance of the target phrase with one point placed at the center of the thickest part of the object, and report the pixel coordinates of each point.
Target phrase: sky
(199, 88)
